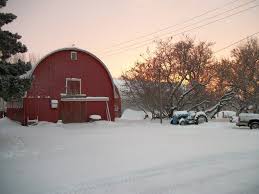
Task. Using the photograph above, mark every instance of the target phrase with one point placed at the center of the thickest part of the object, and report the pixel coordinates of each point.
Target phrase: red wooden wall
(49, 81)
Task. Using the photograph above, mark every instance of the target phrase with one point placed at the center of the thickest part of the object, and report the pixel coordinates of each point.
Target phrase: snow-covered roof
(184, 112)
(118, 82)
(249, 115)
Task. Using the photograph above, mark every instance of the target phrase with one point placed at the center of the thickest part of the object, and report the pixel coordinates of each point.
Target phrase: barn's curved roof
(74, 49)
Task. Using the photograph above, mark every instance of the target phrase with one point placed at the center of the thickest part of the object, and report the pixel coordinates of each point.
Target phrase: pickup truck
(248, 119)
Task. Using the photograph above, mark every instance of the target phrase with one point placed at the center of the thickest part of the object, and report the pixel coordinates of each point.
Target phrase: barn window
(73, 86)
(73, 55)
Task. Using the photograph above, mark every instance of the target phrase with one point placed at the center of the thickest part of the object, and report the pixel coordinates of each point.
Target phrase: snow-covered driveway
(128, 157)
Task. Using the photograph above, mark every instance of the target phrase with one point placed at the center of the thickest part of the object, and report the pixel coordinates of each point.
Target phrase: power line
(168, 27)
(198, 27)
(151, 39)
(219, 50)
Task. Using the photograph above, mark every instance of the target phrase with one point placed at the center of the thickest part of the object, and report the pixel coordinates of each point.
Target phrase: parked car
(188, 117)
(248, 119)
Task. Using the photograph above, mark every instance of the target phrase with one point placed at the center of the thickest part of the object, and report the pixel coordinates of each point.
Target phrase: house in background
(117, 102)
(69, 84)
(2, 107)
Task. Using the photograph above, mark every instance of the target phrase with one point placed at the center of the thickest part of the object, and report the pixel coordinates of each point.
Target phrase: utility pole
(159, 85)
(160, 97)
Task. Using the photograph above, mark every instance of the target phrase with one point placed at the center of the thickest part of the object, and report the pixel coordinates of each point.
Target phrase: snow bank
(225, 114)
(130, 114)
(95, 117)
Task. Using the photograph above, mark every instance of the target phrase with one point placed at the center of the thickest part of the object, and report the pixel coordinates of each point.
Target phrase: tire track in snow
(108, 186)
(111, 184)
(16, 148)
(203, 180)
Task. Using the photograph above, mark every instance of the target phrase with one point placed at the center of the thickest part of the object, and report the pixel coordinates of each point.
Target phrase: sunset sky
(102, 26)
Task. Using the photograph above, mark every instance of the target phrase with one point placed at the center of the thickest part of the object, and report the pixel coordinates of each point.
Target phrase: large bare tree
(174, 75)
(245, 74)
(241, 74)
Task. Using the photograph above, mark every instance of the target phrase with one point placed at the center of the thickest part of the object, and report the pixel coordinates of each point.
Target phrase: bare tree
(28, 57)
(181, 71)
(223, 101)
(245, 69)
(241, 73)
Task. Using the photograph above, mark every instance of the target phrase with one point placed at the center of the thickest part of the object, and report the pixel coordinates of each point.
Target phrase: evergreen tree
(12, 84)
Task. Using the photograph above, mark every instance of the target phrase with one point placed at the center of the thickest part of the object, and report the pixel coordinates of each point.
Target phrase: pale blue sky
(97, 25)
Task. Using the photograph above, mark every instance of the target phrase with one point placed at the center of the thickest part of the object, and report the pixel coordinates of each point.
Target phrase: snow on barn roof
(118, 82)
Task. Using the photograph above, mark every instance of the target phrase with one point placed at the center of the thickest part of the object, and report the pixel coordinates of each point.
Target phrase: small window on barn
(73, 55)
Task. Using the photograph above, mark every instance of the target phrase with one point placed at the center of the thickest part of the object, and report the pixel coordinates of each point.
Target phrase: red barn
(68, 84)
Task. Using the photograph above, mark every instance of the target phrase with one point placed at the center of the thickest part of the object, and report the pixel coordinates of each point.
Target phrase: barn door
(73, 112)
(33, 108)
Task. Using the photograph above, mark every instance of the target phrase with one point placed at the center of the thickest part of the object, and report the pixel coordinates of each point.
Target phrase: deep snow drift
(128, 156)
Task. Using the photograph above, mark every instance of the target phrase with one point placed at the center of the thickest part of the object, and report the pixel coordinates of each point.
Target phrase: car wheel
(254, 125)
(182, 123)
(201, 119)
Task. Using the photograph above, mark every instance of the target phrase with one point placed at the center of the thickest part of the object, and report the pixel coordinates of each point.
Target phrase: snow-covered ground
(128, 156)
(130, 114)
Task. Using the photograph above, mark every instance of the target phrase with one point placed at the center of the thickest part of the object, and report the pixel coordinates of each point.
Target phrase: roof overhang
(86, 99)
